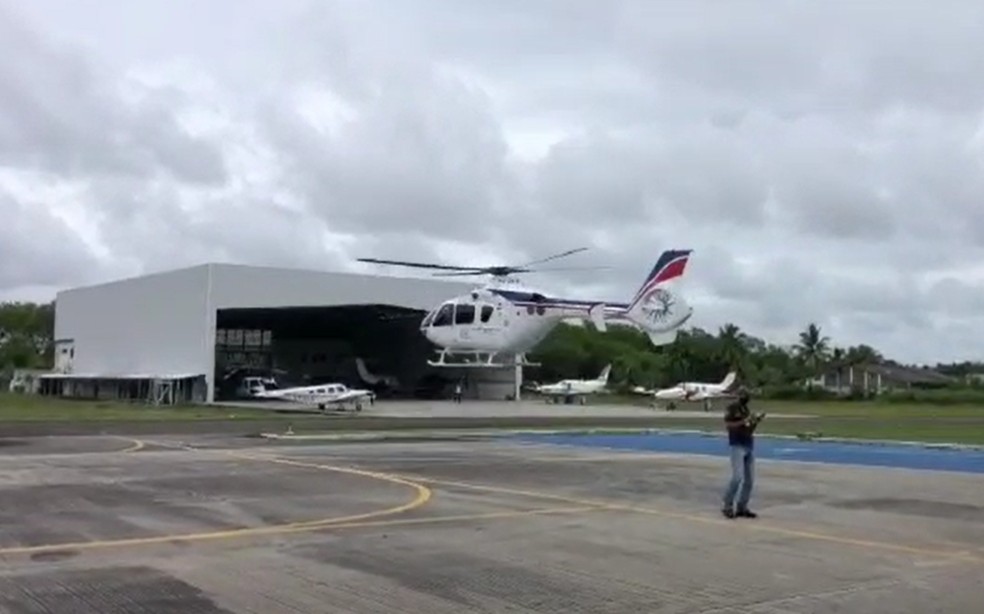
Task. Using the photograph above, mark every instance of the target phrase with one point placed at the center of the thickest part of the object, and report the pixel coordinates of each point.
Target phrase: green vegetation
(26, 335)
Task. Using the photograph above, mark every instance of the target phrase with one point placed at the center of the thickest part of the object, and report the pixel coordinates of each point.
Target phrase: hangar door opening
(379, 347)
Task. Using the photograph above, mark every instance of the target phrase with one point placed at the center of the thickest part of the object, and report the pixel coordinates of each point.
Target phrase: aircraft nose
(431, 335)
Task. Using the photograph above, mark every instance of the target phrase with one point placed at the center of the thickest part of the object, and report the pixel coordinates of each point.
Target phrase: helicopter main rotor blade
(493, 272)
(512, 271)
(572, 268)
(496, 271)
(422, 265)
(555, 256)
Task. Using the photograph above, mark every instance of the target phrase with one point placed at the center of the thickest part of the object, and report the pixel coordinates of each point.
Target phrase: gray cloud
(823, 161)
(60, 113)
(37, 248)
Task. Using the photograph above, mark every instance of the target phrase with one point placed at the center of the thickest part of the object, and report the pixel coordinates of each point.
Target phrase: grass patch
(847, 409)
(944, 430)
(869, 409)
(877, 420)
(31, 408)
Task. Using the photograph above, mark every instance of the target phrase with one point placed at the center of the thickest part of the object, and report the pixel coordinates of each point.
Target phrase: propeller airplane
(692, 391)
(505, 317)
(574, 389)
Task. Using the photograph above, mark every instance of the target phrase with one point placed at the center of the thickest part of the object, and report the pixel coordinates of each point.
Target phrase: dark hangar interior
(303, 346)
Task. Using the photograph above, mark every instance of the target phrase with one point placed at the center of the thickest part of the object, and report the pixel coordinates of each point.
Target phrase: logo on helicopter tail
(658, 306)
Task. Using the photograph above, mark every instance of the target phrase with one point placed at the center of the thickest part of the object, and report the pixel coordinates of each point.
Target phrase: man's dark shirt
(739, 435)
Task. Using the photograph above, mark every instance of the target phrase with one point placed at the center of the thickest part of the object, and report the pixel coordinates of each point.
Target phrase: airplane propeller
(494, 271)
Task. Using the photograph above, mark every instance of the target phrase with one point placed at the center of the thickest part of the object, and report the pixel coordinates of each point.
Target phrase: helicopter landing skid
(480, 360)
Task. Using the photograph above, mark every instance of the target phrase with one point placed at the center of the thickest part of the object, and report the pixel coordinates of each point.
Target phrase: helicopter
(505, 318)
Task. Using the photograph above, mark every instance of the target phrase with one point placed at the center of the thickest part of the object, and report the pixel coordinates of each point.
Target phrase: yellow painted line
(733, 524)
(136, 445)
(423, 495)
(395, 522)
(307, 528)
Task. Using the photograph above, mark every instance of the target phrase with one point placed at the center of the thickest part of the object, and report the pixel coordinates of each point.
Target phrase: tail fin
(671, 264)
(360, 366)
(655, 309)
(728, 380)
(603, 377)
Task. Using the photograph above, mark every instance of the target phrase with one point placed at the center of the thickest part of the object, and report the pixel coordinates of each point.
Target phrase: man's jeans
(742, 475)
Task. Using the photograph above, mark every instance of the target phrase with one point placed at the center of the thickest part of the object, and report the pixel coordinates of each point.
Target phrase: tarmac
(204, 524)
(384, 414)
(393, 408)
(486, 409)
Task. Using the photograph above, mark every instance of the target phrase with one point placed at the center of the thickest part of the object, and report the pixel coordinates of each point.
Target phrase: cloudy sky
(825, 160)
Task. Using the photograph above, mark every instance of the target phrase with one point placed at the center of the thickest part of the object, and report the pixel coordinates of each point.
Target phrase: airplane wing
(273, 394)
(351, 395)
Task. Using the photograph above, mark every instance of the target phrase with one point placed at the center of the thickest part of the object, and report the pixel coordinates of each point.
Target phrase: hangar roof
(245, 286)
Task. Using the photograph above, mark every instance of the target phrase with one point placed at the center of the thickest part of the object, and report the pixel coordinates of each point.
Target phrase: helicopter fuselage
(508, 321)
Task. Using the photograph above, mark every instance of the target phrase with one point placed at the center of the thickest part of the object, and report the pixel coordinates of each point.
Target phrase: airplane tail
(367, 377)
(603, 377)
(658, 311)
(728, 380)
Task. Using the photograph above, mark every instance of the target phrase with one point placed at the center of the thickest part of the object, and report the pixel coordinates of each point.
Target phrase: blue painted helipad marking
(874, 455)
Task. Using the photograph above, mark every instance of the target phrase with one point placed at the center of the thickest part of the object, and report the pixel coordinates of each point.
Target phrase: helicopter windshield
(428, 319)
(445, 315)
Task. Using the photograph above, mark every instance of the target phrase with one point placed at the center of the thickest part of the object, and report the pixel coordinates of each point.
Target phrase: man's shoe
(728, 512)
(746, 514)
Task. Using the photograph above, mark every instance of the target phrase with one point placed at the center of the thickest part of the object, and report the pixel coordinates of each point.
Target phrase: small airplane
(692, 391)
(321, 395)
(504, 317)
(574, 388)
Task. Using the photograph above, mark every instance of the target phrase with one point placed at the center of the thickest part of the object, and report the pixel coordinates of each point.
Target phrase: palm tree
(813, 347)
(732, 347)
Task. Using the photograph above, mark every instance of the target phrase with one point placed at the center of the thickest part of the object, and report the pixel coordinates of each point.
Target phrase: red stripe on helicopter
(672, 270)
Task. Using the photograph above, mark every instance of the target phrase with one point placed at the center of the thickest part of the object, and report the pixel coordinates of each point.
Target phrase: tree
(862, 354)
(26, 335)
(733, 349)
(813, 347)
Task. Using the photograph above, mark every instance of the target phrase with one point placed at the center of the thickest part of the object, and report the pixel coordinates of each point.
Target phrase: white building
(192, 330)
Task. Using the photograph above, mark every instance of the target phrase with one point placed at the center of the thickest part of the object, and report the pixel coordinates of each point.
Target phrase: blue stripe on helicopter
(527, 299)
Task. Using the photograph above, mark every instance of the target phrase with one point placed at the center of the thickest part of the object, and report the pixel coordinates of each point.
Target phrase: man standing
(741, 439)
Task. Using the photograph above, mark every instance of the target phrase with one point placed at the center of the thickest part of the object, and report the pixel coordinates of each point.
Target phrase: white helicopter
(506, 318)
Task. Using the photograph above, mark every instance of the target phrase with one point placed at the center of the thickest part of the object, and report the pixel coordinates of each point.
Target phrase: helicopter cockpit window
(464, 314)
(444, 315)
(486, 312)
(428, 319)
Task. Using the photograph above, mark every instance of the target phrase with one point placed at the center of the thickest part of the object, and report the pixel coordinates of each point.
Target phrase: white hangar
(190, 335)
